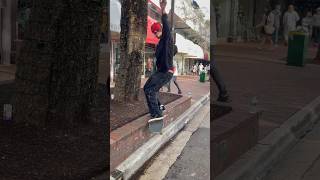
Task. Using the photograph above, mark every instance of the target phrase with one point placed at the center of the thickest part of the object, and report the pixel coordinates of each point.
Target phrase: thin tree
(132, 44)
(57, 67)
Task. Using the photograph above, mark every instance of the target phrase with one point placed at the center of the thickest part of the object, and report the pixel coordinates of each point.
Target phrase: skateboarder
(164, 55)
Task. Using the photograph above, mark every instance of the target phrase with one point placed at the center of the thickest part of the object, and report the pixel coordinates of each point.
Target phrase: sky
(204, 6)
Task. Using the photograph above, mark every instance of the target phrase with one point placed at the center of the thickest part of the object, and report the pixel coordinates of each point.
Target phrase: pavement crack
(310, 167)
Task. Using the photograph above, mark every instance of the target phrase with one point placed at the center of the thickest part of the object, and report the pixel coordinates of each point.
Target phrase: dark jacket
(164, 51)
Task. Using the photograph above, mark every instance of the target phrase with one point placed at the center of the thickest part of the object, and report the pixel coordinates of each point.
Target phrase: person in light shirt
(316, 26)
(290, 19)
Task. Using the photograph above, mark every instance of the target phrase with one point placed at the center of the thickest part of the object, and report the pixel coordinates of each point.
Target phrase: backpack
(267, 28)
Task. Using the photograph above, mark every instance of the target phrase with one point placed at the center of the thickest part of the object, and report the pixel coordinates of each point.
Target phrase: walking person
(267, 29)
(307, 23)
(277, 23)
(165, 69)
(174, 79)
(316, 25)
(200, 68)
(290, 19)
(195, 69)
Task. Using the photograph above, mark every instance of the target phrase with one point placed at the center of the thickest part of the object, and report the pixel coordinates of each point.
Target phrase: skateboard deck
(156, 126)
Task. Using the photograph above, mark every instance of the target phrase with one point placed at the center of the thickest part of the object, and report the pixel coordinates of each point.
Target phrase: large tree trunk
(132, 43)
(57, 68)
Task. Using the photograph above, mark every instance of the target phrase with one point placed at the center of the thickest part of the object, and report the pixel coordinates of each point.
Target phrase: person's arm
(298, 17)
(285, 19)
(166, 33)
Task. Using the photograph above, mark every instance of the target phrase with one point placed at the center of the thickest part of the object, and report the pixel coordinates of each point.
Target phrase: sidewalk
(250, 51)
(302, 162)
(188, 85)
(281, 90)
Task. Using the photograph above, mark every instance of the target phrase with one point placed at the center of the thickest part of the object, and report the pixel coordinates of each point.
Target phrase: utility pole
(172, 25)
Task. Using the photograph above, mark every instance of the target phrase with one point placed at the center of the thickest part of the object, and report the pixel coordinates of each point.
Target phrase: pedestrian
(165, 69)
(317, 58)
(290, 19)
(268, 29)
(149, 67)
(277, 23)
(200, 68)
(195, 69)
(307, 23)
(316, 25)
(260, 26)
(175, 74)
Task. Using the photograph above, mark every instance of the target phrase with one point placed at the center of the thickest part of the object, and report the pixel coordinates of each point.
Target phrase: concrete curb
(269, 60)
(259, 160)
(6, 82)
(137, 159)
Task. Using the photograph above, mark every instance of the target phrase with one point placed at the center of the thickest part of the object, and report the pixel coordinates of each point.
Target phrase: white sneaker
(156, 118)
(162, 108)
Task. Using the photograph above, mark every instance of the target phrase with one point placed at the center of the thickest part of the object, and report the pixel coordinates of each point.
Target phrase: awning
(151, 38)
(188, 47)
(181, 44)
(115, 16)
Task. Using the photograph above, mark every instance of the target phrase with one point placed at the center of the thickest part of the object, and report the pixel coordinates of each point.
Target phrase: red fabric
(151, 38)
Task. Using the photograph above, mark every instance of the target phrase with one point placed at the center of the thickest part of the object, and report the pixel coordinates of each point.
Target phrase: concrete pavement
(302, 162)
(282, 91)
(188, 86)
(187, 156)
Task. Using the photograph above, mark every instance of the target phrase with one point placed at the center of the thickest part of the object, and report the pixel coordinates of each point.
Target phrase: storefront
(188, 54)
(187, 50)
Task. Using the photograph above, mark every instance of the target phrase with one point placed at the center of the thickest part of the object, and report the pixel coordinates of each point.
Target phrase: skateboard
(156, 125)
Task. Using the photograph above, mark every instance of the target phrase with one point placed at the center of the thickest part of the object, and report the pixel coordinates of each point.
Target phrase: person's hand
(163, 4)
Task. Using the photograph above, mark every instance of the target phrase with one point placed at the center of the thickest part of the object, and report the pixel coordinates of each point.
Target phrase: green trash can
(297, 49)
(202, 76)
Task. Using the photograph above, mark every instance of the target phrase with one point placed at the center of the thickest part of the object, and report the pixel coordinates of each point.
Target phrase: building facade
(188, 51)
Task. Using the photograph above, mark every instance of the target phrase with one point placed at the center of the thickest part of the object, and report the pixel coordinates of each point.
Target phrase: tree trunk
(132, 43)
(57, 69)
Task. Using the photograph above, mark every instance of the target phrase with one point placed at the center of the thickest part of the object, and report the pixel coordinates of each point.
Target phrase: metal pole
(172, 25)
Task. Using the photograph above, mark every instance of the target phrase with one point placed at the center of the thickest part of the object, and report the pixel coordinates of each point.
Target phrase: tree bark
(132, 44)
(57, 68)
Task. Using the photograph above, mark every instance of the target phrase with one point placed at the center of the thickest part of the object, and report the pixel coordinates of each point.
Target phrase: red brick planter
(128, 138)
(231, 137)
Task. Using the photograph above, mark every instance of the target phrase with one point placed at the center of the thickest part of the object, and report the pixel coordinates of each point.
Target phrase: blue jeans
(218, 79)
(151, 90)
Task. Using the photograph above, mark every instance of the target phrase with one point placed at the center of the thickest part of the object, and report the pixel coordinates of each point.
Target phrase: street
(187, 157)
(302, 162)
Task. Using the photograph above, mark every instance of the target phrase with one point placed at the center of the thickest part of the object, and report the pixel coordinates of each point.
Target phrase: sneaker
(224, 98)
(179, 92)
(156, 118)
(162, 108)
